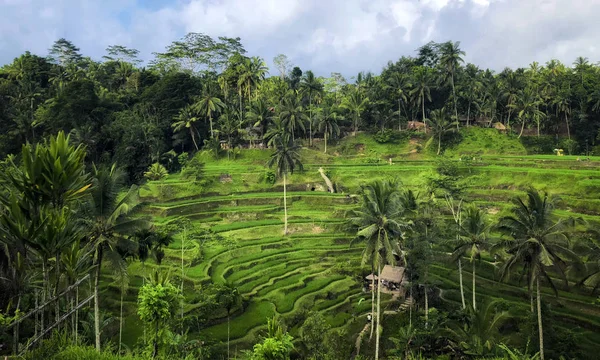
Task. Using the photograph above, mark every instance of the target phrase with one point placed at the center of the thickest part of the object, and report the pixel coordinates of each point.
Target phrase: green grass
(284, 274)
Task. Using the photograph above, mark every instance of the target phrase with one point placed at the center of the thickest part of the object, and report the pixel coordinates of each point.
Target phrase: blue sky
(344, 36)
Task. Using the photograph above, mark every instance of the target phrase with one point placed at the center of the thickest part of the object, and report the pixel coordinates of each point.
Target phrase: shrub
(194, 170)
(570, 145)
(269, 177)
(156, 171)
(183, 159)
(538, 144)
(383, 137)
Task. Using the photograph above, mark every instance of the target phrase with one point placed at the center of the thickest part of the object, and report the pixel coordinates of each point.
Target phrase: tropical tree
(440, 125)
(207, 105)
(528, 104)
(400, 84)
(229, 297)
(108, 217)
(450, 59)
(356, 103)
(286, 159)
(473, 230)
(328, 120)
(421, 88)
(537, 240)
(259, 115)
(378, 224)
(186, 118)
(292, 114)
(311, 87)
(478, 335)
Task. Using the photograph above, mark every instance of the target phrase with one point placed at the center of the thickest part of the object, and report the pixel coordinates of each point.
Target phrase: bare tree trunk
(539, 315)
(76, 313)
(522, 128)
(454, 97)
(474, 303)
(325, 152)
(423, 105)
(310, 120)
(439, 143)
(460, 279)
(378, 313)
(372, 301)
(426, 307)
(568, 134)
(121, 319)
(97, 298)
(193, 137)
(285, 216)
(227, 334)
(16, 329)
(399, 115)
(212, 135)
(468, 113)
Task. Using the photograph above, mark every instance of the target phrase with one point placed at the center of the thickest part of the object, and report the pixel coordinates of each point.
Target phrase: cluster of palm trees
(533, 242)
(58, 217)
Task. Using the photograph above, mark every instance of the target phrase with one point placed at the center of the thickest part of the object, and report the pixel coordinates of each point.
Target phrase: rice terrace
(206, 202)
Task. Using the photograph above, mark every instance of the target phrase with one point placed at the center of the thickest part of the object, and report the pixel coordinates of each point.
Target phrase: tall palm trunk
(454, 97)
(16, 329)
(56, 286)
(439, 143)
(372, 302)
(325, 152)
(474, 303)
(539, 316)
(378, 312)
(423, 108)
(212, 135)
(285, 216)
(522, 128)
(568, 130)
(228, 334)
(426, 307)
(468, 113)
(97, 298)
(193, 137)
(121, 319)
(310, 120)
(460, 280)
(399, 115)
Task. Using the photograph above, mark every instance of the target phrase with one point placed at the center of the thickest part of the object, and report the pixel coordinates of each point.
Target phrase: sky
(325, 36)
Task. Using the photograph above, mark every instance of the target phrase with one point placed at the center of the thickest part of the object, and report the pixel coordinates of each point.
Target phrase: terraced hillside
(229, 230)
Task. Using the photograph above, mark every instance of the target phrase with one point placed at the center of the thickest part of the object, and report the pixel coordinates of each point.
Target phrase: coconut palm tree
(277, 130)
(528, 104)
(328, 120)
(473, 238)
(228, 297)
(378, 224)
(207, 105)
(400, 84)
(187, 118)
(108, 217)
(450, 59)
(536, 241)
(286, 159)
(477, 336)
(356, 103)
(440, 125)
(292, 114)
(311, 87)
(259, 114)
(421, 88)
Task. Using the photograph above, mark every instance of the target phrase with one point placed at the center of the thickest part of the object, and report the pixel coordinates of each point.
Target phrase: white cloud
(323, 35)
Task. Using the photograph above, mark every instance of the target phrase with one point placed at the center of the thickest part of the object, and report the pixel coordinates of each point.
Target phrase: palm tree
(421, 89)
(536, 241)
(259, 114)
(286, 159)
(207, 105)
(528, 104)
(562, 101)
(399, 82)
(108, 216)
(440, 125)
(229, 297)
(356, 103)
(328, 120)
(477, 335)
(277, 131)
(450, 59)
(292, 114)
(252, 72)
(310, 86)
(378, 224)
(186, 119)
(474, 229)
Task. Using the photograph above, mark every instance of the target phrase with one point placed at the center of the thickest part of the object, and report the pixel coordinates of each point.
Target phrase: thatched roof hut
(389, 273)
(499, 126)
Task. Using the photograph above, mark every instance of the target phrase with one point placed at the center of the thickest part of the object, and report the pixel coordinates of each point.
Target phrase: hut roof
(499, 126)
(389, 273)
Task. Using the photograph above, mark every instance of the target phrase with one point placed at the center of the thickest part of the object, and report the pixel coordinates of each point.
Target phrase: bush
(194, 170)
(384, 136)
(538, 144)
(570, 145)
(89, 353)
(270, 177)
